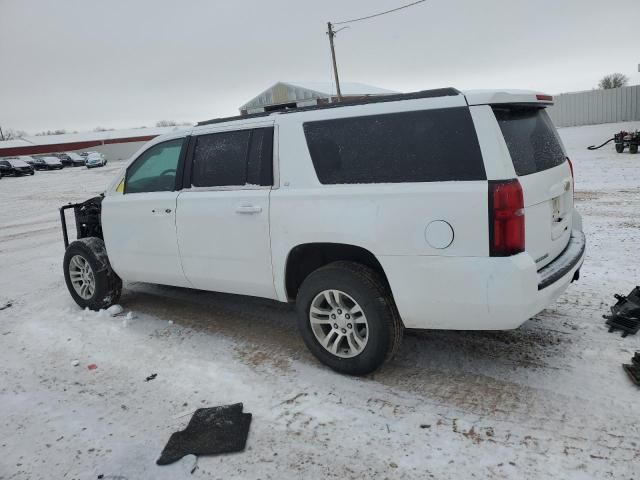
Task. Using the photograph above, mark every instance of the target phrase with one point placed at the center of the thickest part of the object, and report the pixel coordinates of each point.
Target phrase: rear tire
(619, 147)
(353, 314)
(90, 279)
(633, 148)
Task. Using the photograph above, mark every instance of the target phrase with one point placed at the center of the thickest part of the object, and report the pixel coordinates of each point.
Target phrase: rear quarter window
(419, 146)
(531, 138)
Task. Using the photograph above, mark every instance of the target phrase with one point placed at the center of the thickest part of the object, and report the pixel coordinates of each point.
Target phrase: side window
(233, 158)
(155, 170)
(419, 146)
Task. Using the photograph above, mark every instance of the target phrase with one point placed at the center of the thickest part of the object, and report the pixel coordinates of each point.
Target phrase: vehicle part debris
(151, 377)
(6, 305)
(633, 369)
(210, 431)
(93, 366)
(625, 314)
(75, 363)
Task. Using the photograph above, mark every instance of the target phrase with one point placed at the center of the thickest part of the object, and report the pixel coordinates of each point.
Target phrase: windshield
(531, 138)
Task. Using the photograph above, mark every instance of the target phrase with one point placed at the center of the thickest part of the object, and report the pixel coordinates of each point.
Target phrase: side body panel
(389, 220)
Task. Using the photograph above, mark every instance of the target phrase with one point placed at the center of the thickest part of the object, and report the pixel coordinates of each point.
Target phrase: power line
(379, 14)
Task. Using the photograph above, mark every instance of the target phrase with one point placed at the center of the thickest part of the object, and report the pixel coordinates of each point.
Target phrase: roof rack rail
(437, 92)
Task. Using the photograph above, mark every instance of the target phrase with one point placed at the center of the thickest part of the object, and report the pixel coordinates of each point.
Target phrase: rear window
(531, 138)
(421, 146)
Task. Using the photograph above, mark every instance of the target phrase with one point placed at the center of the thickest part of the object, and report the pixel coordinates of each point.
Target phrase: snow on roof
(87, 136)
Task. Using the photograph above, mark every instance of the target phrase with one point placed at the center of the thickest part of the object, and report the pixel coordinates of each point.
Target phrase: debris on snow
(75, 363)
(625, 314)
(6, 305)
(114, 310)
(213, 430)
(92, 366)
(151, 377)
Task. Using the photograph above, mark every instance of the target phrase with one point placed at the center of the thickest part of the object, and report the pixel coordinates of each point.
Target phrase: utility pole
(1, 134)
(332, 34)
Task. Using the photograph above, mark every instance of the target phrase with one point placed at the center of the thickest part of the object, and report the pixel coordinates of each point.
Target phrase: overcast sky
(78, 64)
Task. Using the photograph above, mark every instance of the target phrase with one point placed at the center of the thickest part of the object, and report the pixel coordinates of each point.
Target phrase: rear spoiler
(493, 97)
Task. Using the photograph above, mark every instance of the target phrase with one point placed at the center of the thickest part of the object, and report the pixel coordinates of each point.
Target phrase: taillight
(506, 218)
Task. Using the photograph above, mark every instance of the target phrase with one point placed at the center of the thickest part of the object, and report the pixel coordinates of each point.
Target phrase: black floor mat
(210, 431)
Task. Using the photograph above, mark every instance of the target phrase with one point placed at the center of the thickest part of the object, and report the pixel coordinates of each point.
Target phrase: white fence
(596, 106)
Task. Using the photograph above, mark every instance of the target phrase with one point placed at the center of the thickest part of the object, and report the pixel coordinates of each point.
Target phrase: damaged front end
(88, 219)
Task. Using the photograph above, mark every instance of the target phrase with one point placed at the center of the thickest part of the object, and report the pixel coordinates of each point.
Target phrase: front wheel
(90, 279)
(348, 319)
(633, 148)
(619, 147)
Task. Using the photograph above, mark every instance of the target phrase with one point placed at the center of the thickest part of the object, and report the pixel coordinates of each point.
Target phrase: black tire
(619, 147)
(633, 148)
(108, 285)
(372, 294)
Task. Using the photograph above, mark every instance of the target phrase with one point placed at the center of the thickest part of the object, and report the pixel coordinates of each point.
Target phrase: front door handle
(248, 209)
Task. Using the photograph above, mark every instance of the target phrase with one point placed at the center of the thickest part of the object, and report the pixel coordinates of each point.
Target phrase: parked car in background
(17, 166)
(77, 159)
(95, 159)
(47, 163)
(30, 160)
(4, 169)
(64, 159)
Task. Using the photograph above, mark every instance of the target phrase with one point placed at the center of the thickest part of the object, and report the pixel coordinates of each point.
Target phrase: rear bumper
(478, 293)
(572, 255)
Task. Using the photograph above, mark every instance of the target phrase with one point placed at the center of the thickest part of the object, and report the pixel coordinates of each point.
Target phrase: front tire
(347, 318)
(90, 279)
(633, 148)
(619, 147)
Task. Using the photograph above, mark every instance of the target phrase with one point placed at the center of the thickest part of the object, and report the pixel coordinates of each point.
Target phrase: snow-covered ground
(549, 400)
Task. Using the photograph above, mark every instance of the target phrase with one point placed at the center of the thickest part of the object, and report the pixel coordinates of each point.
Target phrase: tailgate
(544, 173)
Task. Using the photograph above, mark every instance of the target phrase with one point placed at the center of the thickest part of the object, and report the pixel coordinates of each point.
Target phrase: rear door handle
(248, 209)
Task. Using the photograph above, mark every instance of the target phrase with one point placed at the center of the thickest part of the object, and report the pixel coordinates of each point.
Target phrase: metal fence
(596, 106)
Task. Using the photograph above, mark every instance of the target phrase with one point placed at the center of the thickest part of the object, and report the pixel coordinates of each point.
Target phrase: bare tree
(11, 134)
(59, 131)
(166, 123)
(614, 80)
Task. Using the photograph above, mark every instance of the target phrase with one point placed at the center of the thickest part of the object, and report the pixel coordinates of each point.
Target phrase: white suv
(431, 210)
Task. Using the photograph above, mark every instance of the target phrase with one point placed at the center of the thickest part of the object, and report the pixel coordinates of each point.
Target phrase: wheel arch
(305, 258)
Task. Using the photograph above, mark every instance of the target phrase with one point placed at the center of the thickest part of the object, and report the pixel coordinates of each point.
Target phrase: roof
(285, 92)
(438, 92)
(77, 141)
(87, 136)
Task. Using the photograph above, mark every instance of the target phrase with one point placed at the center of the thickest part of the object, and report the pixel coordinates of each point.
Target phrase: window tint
(233, 158)
(531, 138)
(422, 146)
(155, 170)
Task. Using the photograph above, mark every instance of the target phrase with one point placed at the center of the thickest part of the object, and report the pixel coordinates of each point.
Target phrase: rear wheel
(347, 318)
(89, 277)
(619, 147)
(633, 148)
